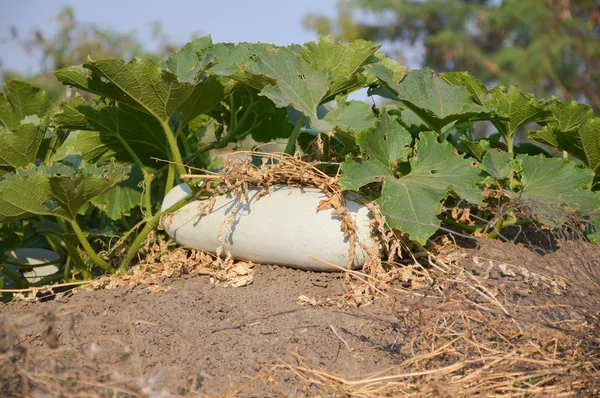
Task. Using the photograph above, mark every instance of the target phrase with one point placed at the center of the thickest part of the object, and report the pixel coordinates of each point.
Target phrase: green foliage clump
(83, 178)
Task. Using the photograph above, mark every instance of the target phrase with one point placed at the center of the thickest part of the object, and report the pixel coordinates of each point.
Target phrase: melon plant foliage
(83, 178)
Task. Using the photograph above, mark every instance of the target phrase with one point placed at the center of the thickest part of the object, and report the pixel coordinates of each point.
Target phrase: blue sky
(271, 21)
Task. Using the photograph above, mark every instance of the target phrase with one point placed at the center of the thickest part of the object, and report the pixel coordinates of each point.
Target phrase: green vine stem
(175, 153)
(77, 260)
(170, 177)
(47, 280)
(73, 251)
(326, 145)
(462, 226)
(138, 242)
(151, 223)
(66, 271)
(51, 147)
(14, 277)
(497, 228)
(147, 176)
(89, 250)
(509, 144)
(290, 148)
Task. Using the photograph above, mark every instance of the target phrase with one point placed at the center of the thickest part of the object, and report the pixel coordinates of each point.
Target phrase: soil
(479, 318)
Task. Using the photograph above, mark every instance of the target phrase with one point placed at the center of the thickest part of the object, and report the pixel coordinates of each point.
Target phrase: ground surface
(490, 318)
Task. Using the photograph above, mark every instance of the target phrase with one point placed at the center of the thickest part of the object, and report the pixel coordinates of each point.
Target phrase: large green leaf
(19, 146)
(437, 102)
(54, 190)
(412, 202)
(108, 128)
(388, 144)
(574, 129)
(475, 86)
(498, 164)
(21, 99)
(302, 77)
(185, 63)
(22, 128)
(518, 107)
(553, 187)
(145, 86)
(353, 116)
(342, 61)
(295, 82)
(384, 146)
(121, 199)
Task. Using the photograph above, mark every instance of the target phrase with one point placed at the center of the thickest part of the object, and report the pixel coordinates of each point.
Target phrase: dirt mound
(497, 318)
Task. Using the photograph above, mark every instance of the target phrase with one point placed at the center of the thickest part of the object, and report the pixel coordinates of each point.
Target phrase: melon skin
(282, 227)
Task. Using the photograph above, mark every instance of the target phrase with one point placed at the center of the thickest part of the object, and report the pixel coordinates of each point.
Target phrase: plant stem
(51, 145)
(147, 176)
(464, 227)
(233, 113)
(175, 153)
(170, 177)
(14, 277)
(148, 194)
(326, 144)
(509, 144)
(290, 148)
(137, 242)
(78, 261)
(73, 251)
(89, 250)
(47, 280)
(497, 228)
(66, 273)
(151, 223)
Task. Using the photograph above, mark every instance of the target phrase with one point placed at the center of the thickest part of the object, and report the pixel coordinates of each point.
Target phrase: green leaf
(155, 90)
(300, 77)
(56, 190)
(144, 86)
(477, 149)
(357, 173)
(111, 126)
(385, 145)
(553, 187)
(435, 101)
(295, 82)
(519, 108)
(572, 128)
(19, 146)
(568, 116)
(21, 129)
(353, 116)
(498, 164)
(388, 143)
(185, 63)
(475, 86)
(120, 200)
(412, 202)
(21, 99)
(388, 68)
(342, 61)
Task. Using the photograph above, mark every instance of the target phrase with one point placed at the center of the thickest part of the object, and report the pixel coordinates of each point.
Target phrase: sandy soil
(500, 318)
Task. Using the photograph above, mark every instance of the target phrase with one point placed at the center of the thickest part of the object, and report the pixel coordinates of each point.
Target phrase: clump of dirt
(495, 318)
